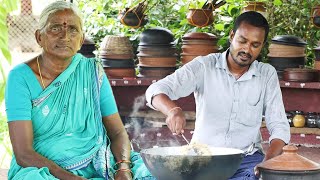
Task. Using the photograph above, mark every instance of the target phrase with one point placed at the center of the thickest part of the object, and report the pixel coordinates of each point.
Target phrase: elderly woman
(63, 119)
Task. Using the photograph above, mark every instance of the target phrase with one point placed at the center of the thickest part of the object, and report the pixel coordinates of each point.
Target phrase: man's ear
(37, 35)
(231, 35)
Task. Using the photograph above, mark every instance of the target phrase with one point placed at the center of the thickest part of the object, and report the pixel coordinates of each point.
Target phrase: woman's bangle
(116, 166)
(124, 170)
(177, 107)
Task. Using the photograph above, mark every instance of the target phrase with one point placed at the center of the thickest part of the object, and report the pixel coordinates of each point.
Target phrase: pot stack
(197, 44)
(156, 53)
(116, 54)
(87, 48)
(286, 51)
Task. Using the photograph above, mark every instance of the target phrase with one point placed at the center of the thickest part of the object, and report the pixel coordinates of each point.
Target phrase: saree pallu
(68, 128)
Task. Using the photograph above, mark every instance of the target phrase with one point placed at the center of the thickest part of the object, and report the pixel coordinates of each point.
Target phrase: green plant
(5, 8)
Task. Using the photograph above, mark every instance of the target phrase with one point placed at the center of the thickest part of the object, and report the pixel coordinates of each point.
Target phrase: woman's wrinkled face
(62, 36)
(246, 44)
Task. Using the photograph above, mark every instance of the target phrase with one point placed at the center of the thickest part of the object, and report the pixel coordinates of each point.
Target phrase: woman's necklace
(40, 73)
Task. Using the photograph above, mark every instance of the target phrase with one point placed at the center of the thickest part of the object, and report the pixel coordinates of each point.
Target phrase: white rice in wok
(197, 149)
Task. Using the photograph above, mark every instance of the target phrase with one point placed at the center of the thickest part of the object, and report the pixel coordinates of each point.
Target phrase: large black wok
(172, 163)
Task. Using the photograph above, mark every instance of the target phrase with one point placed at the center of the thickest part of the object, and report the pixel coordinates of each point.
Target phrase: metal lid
(289, 160)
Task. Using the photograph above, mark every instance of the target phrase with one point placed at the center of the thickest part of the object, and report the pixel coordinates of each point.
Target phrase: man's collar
(222, 64)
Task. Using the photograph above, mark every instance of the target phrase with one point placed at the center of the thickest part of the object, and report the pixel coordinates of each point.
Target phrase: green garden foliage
(285, 17)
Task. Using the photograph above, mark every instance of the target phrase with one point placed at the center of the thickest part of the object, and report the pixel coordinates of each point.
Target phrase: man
(232, 91)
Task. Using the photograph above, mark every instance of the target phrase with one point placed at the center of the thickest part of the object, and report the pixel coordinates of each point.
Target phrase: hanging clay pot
(256, 6)
(315, 16)
(200, 17)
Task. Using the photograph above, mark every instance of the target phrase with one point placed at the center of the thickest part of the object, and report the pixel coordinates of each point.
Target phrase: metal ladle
(185, 139)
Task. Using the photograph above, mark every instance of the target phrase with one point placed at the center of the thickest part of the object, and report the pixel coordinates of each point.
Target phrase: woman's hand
(123, 175)
(176, 121)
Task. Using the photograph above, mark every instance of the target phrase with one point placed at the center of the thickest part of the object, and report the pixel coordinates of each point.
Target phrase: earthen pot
(199, 36)
(132, 19)
(157, 36)
(199, 49)
(116, 56)
(119, 72)
(300, 75)
(317, 53)
(316, 16)
(256, 6)
(185, 58)
(159, 72)
(290, 40)
(200, 17)
(289, 166)
(157, 61)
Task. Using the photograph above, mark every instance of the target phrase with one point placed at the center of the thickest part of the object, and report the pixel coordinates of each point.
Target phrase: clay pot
(200, 36)
(289, 40)
(299, 119)
(316, 16)
(169, 51)
(199, 49)
(155, 71)
(317, 53)
(87, 48)
(200, 17)
(185, 58)
(256, 6)
(300, 75)
(282, 63)
(157, 61)
(133, 20)
(120, 72)
(290, 166)
(116, 56)
(156, 36)
(115, 63)
(279, 50)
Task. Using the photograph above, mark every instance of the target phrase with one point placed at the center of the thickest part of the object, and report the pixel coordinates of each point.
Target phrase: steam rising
(138, 122)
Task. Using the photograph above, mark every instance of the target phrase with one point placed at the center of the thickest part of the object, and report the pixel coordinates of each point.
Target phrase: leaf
(277, 2)
(219, 27)
(6, 54)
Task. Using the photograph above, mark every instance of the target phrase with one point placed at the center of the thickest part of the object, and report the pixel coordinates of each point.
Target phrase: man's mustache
(241, 53)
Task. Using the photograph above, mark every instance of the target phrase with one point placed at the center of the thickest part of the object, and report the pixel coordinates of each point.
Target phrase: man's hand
(176, 121)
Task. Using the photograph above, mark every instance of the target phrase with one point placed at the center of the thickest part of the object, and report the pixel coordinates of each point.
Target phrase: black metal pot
(171, 163)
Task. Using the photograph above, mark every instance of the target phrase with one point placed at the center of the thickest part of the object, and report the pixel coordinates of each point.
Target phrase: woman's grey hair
(57, 6)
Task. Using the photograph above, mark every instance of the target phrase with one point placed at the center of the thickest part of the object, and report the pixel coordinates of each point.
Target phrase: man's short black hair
(253, 18)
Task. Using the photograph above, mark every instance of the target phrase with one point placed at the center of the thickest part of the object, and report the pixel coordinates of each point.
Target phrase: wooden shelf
(147, 81)
(300, 85)
(133, 81)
